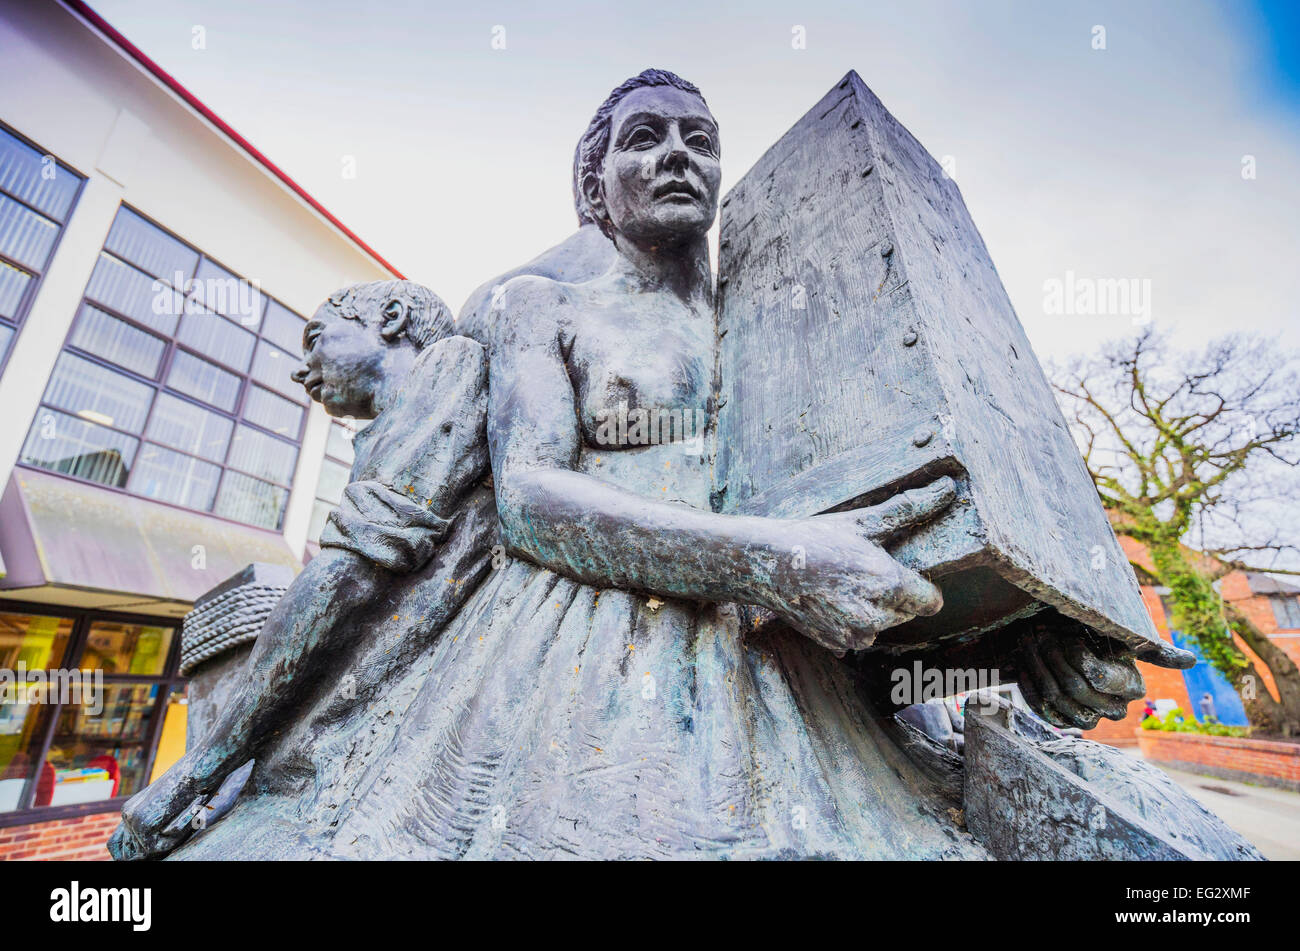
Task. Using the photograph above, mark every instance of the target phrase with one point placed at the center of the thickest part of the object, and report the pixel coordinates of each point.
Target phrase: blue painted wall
(1202, 678)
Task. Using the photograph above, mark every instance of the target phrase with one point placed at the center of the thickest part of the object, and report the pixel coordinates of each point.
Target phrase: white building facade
(155, 276)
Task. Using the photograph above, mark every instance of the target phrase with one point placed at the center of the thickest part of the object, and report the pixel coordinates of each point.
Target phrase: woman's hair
(589, 157)
(429, 321)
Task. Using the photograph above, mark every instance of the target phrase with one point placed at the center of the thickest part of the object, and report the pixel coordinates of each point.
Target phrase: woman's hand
(838, 585)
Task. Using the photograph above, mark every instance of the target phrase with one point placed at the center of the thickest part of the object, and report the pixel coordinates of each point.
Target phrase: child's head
(395, 307)
(348, 340)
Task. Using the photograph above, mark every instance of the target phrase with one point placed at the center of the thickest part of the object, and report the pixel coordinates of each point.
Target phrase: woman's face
(661, 174)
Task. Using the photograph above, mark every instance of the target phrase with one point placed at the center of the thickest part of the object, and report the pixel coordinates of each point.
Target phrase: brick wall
(81, 837)
(1259, 610)
(1261, 761)
(1168, 684)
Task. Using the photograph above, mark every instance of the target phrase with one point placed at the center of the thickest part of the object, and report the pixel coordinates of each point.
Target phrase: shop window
(84, 729)
(117, 648)
(28, 642)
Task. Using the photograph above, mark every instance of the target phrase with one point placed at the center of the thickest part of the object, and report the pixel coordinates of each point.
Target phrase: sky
(1156, 143)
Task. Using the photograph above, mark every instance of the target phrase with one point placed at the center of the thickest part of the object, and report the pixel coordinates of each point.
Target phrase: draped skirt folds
(559, 720)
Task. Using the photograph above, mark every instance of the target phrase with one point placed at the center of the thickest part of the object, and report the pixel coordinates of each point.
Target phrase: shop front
(98, 711)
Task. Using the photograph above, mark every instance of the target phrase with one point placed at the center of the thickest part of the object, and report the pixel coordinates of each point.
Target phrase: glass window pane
(221, 292)
(35, 178)
(201, 379)
(262, 455)
(171, 738)
(251, 501)
(98, 394)
(35, 640)
(12, 284)
(283, 327)
(174, 477)
(22, 727)
(272, 412)
(189, 428)
(135, 294)
(75, 447)
(6, 337)
(320, 511)
(216, 337)
(1286, 611)
(150, 248)
(339, 441)
(102, 334)
(25, 236)
(99, 750)
(117, 648)
(272, 366)
(333, 480)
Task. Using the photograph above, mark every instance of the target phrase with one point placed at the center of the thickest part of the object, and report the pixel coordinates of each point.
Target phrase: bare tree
(1200, 450)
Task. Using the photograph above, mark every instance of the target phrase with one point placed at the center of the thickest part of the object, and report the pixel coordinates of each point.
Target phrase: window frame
(167, 681)
(158, 384)
(1286, 609)
(19, 320)
(328, 457)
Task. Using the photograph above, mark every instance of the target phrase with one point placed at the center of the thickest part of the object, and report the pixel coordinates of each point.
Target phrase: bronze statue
(632, 673)
(386, 352)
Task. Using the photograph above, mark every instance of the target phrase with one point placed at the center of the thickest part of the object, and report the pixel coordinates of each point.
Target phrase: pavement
(1266, 817)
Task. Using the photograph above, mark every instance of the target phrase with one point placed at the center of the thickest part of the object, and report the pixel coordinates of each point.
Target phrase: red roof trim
(167, 80)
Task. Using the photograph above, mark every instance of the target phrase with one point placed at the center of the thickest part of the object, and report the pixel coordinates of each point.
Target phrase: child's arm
(433, 451)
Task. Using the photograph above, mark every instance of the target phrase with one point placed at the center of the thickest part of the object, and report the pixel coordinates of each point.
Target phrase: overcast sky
(1124, 162)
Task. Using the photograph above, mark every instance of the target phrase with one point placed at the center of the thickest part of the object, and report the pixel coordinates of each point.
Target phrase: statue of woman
(596, 693)
(597, 697)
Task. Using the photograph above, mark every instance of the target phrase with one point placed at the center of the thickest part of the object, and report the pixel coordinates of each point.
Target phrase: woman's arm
(828, 576)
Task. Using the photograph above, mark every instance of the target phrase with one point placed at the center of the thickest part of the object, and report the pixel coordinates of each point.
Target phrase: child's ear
(396, 316)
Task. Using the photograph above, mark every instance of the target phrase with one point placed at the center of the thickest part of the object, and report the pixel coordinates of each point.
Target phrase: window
(1286, 610)
(66, 750)
(37, 193)
(174, 383)
(334, 473)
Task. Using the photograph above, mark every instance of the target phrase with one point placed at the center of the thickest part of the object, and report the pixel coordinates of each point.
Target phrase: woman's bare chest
(637, 385)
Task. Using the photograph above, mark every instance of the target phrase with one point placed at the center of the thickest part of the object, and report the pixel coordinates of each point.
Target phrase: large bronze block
(867, 345)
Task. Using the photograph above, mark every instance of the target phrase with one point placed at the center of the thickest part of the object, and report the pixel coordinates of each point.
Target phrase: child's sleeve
(434, 453)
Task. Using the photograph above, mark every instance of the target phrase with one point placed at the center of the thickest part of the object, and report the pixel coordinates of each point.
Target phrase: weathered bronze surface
(867, 345)
(1031, 795)
(563, 661)
(398, 557)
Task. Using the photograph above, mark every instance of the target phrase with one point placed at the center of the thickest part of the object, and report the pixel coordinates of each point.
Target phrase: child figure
(385, 351)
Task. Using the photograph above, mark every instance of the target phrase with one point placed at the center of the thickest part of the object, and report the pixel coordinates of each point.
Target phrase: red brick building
(78, 837)
(1273, 606)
